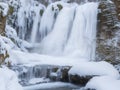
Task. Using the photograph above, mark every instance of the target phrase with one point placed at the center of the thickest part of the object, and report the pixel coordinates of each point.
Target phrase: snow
(94, 69)
(17, 43)
(18, 57)
(70, 31)
(4, 8)
(83, 68)
(8, 80)
(6, 44)
(103, 83)
(10, 32)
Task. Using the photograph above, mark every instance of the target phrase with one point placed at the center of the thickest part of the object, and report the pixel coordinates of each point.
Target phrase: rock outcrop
(3, 14)
(117, 3)
(2, 24)
(108, 28)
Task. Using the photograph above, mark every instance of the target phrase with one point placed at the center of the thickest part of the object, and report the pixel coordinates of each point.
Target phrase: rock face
(108, 33)
(2, 24)
(79, 80)
(117, 3)
(3, 13)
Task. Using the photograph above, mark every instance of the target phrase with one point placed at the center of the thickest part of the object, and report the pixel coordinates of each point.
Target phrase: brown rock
(2, 24)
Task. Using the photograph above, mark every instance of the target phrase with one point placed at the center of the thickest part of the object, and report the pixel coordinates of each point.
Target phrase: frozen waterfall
(28, 19)
(73, 36)
(57, 39)
(49, 18)
(82, 40)
(62, 30)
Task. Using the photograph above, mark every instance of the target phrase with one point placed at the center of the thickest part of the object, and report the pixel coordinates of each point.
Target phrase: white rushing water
(57, 39)
(79, 42)
(82, 38)
(63, 30)
(49, 18)
(36, 24)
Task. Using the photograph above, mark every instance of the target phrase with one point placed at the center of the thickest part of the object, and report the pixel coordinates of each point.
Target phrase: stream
(52, 86)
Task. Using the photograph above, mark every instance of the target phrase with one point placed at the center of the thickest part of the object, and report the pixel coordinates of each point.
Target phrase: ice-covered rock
(82, 73)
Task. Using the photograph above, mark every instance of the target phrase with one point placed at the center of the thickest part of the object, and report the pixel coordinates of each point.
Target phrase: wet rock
(60, 73)
(80, 80)
(65, 76)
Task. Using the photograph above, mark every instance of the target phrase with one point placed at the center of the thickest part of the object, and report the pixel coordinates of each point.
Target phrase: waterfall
(82, 38)
(56, 40)
(49, 18)
(63, 29)
(29, 17)
(73, 36)
(36, 23)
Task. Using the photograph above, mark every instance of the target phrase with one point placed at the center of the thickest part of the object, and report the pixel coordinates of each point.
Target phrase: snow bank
(94, 69)
(10, 32)
(103, 83)
(18, 43)
(4, 8)
(8, 80)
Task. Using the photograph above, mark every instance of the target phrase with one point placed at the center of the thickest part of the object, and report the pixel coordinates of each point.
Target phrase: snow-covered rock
(11, 34)
(94, 69)
(103, 83)
(4, 8)
(9, 80)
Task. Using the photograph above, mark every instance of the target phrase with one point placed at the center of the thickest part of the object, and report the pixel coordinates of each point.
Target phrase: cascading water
(82, 41)
(66, 30)
(57, 39)
(36, 23)
(49, 18)
(29, 17)
(78, 42)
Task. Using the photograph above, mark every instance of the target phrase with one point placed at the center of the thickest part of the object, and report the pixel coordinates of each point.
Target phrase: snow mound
(8, 80)
(20, 44)
(10, 32)
(4, 8)
(103, 83)
(94, 69)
